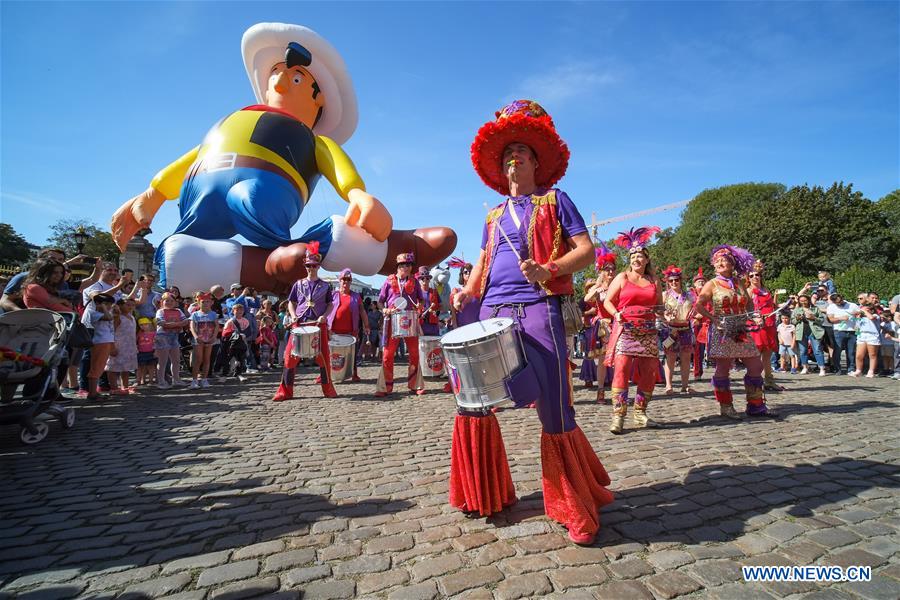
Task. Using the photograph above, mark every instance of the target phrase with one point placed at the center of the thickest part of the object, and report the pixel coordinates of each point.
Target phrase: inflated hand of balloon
(367, 212)
(134, 215)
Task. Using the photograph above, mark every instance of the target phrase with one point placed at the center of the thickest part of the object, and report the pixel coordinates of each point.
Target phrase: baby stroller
(32, 350)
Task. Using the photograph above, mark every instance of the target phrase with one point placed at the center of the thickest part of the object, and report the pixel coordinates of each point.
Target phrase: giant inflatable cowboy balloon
(255, 171)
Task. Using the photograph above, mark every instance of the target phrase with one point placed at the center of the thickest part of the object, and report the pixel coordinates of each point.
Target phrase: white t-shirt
(89, 304)
(847, 309)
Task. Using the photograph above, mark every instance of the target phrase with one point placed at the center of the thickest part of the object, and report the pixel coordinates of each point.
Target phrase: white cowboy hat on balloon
(263, 47)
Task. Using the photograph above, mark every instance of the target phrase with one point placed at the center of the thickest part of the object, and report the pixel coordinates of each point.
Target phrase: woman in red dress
(633, 299)
(766, 336)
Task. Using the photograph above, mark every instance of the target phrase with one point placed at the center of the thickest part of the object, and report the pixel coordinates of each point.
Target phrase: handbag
(571, 314)
(80, 336)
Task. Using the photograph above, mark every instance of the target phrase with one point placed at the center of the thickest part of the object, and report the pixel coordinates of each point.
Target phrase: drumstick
(505, 237)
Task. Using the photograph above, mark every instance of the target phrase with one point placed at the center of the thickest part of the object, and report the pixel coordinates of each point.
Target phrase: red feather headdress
(456, 263)
(635, 240)
(312, 253)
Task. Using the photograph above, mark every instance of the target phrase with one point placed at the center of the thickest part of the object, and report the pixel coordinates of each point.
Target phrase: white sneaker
(164, 385)
(853, 374)
(204, 383)
(870, 374)
(195, 384)
(822, 372)
(804, 371)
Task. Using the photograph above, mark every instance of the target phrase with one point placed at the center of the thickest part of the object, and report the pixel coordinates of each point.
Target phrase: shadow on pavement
(151, 479)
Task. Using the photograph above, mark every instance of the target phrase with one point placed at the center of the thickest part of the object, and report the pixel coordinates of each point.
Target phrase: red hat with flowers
(525, 122)
(672, 271)
(604, 257)
(699, 274)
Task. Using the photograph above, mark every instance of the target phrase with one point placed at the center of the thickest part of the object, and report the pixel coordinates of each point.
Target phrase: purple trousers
(544, 338)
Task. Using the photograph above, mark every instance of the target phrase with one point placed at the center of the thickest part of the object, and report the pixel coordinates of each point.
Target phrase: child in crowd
(123, 358)
(267, 341)
(170, 321)
(146, 359)
(100, 319)
(204, 328)
(234, 339)
(786, 342)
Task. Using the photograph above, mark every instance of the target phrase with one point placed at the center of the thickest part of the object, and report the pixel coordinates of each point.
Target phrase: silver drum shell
(480, 368)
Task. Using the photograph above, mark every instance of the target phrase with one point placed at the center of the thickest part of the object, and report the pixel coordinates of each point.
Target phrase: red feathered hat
(526, 122)
(313, 258)
(699, 274)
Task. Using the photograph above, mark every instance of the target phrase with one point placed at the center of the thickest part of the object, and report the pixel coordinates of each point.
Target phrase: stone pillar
(138, 255)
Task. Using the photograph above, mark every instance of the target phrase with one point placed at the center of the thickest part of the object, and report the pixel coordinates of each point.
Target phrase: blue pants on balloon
(259, 205)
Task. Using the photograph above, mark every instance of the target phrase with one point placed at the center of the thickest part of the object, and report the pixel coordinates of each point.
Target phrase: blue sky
(657, 101)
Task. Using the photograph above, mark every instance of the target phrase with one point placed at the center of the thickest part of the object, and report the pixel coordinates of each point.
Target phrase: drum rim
(474, 340)
(305, 329)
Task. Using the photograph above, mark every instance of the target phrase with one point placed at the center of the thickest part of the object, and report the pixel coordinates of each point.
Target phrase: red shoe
(328, 391)
(420, 392)
(355, 379)
(448, 388)
(582, 539)
(119, 392)
(382, 394)
(318, 380)
(284, 393)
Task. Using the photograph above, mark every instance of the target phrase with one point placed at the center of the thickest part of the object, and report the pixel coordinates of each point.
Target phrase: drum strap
(514, 214)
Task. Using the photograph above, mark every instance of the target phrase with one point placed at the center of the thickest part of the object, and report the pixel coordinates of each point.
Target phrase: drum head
(340, 340)
(400, 303)
(304, 330)
(476, 331)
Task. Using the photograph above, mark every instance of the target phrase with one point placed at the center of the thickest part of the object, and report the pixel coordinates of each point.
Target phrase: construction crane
(595, 225)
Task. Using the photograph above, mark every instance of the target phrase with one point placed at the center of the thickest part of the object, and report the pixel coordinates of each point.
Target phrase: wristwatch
(553, 268)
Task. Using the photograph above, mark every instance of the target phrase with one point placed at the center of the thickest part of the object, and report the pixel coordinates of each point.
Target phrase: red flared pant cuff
(480, 480)
(574, 481)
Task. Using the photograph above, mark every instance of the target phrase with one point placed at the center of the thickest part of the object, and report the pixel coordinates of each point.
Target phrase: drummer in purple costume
(309, 302)
(532, 243)
(401, 285)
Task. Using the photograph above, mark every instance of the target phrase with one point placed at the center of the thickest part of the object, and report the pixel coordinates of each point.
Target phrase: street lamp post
(81, 237)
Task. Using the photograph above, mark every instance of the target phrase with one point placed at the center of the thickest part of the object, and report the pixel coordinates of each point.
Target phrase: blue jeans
(816, 348)
(844, 341)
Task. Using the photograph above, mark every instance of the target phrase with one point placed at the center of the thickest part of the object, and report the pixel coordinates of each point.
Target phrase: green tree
(727, 214)
(99, 244)
(890, 208)
(14, 249)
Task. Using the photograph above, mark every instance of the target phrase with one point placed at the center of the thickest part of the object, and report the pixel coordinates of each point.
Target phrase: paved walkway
(223, 494)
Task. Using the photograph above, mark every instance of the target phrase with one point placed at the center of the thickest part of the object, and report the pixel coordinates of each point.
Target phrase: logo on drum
(435, 360)
(405, 322)
(337, 361)
(314, 343)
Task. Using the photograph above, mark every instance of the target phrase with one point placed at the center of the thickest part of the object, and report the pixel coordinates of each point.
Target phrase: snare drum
(404, 324)
(343, 354)
(305, 341)
(481, 358)
(431, 357)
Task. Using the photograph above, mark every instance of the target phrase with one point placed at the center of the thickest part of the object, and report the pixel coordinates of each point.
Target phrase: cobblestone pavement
(222, 494)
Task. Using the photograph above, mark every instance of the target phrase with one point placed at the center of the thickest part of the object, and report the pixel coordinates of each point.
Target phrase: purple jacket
(355, 307)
